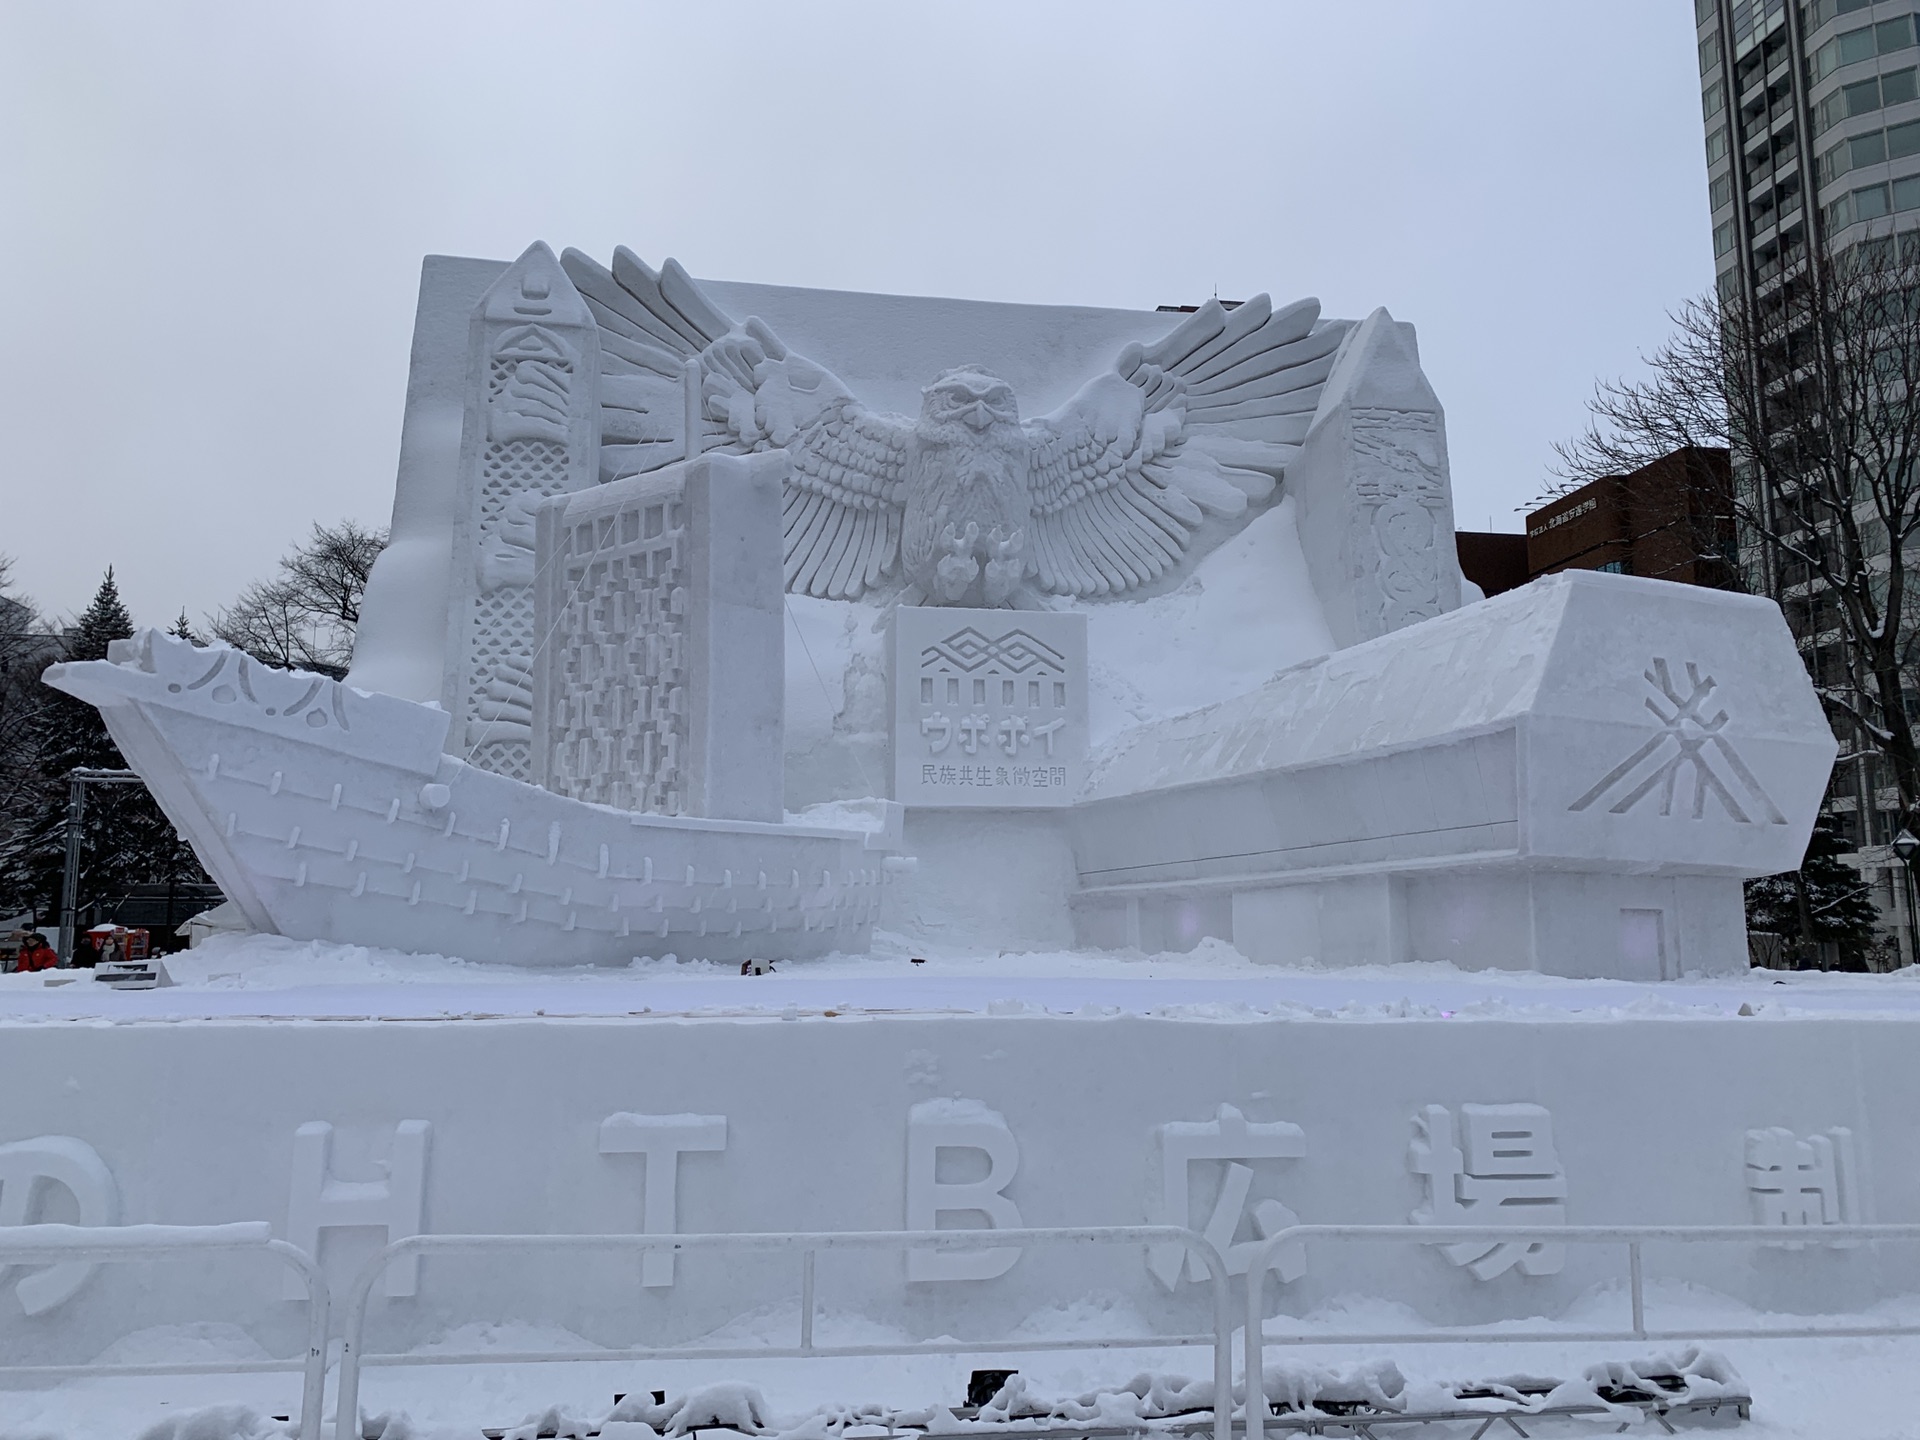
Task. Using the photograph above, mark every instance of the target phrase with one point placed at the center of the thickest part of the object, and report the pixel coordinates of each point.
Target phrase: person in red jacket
(35, 953)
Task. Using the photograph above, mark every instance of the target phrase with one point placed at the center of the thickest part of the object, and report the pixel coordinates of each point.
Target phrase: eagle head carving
(968, 502)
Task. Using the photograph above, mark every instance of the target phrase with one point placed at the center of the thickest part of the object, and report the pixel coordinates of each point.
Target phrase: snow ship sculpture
(324, 811)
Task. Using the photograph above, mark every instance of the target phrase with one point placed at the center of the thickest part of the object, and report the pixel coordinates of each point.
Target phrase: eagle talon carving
(1006, 565)
(956, 569)
(966, 504)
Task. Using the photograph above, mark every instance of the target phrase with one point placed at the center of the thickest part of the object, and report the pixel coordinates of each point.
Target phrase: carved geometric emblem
(1689, 741)
(988, 711)
(968, 649)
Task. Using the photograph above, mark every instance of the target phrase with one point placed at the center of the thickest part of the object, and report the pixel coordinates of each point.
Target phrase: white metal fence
(354, 1315)
(1633, 1237)
(119, 1244)
(52, 1244)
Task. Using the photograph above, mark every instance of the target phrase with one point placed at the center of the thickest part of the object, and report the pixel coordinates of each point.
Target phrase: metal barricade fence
(119, 1244)
(53, 1244)
(354, 1315)
(1632, 1236)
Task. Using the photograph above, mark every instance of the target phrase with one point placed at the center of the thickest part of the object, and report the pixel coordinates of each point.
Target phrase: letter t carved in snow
(662, 1139)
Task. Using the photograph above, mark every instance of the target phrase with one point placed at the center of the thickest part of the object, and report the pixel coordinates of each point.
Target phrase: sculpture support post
(70, 874)
(77, 782)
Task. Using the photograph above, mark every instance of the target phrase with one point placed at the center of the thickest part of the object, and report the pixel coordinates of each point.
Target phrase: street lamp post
(1906, 846)
(77, 782)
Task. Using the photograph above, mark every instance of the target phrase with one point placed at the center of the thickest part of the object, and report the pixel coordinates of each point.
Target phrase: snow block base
(343, 1131)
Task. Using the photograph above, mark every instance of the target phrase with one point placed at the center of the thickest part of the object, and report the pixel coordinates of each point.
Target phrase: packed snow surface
(264, 976)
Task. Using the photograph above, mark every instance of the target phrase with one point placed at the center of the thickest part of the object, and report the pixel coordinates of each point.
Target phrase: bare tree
(1815, 388)
(305, 618)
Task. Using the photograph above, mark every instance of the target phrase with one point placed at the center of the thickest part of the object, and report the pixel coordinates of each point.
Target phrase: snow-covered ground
(1816, 1389)
(267, 976)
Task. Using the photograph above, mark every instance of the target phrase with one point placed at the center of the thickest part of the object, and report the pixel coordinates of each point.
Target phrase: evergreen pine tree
(1824, 900)
(125, 841)
(24, 649)
(183, 629)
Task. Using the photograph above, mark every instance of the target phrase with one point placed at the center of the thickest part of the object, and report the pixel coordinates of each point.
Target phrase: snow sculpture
(1376, 504)
(1478, 785)
(936, 1125)
(1572, 777)
(532, 429)
(662, 641)
(1230, 1138)
(973, 505)
(325, 812)
(989, 709)
(27, 1168)
(1793, 1182)
(915, 477)
(1505, 1171)
(662, 1140)
(316, 1201)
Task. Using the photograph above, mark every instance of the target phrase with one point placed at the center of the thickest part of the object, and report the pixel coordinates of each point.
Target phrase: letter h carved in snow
(320, 1202)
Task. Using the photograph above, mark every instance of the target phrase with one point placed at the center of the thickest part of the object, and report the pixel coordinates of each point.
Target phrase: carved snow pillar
(1375, 505)
(532, 429)
(659, 686)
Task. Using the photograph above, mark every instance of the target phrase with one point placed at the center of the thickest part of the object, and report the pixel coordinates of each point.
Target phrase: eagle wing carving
(843, 504)
(1122, 476)
(1198, 423)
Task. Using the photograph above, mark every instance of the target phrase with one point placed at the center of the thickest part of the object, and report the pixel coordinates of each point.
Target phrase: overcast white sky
(212, 215)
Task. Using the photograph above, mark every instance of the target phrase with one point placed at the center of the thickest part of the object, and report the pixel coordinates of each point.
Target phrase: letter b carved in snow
(936, 1125)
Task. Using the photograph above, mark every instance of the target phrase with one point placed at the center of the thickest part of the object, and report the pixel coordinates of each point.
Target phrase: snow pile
(735, 1406)
(1369, 1387)
(553, 1421)
(1374, 1385)
(1696, 1373)
(222, 1422)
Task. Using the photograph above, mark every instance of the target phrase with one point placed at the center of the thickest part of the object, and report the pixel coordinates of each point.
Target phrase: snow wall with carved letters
(334, 1131)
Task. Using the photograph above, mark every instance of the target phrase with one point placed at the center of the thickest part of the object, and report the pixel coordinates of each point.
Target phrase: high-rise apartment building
(1813, 129)
(1812, 117)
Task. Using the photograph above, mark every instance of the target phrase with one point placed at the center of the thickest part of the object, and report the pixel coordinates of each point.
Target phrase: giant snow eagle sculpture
(967, 504)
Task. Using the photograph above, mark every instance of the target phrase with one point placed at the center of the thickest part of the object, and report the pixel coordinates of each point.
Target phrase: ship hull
(329, 813)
